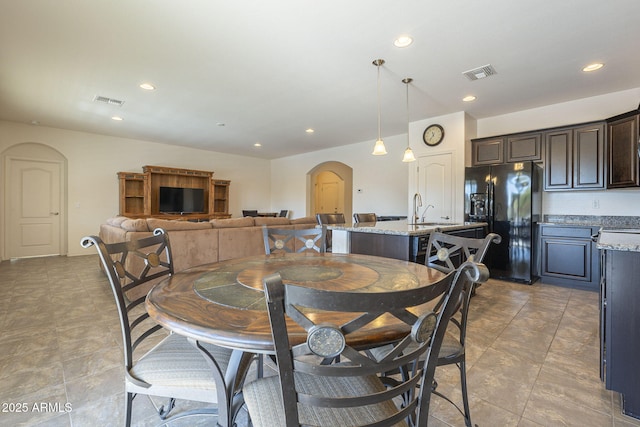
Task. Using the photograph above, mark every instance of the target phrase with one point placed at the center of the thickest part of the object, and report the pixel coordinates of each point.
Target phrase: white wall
(381, 179)
(609, 202)
(385, 181)
(455, 135)
(381, 184)
(94, 160)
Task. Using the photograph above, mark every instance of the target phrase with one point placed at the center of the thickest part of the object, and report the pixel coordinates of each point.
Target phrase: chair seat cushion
(175, 368)
(264, 401)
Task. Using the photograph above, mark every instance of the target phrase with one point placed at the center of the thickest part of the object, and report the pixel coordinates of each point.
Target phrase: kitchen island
(396, 239)
(619, 315)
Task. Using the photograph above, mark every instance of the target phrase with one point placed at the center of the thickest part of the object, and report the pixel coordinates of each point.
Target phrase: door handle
(54, 213)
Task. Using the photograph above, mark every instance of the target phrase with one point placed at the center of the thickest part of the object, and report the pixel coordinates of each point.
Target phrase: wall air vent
(480, 72)
(109, 101)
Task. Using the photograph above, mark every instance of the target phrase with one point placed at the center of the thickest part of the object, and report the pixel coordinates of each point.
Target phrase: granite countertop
(403, 227)
(604, 221)
(619, 233)
(620, 240)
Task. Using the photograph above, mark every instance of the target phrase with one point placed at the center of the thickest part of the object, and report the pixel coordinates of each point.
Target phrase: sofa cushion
(233, 222)
(240, 242)
(116, 220)
(139, 224)
(304, 220)
(172, 225)
(112, 234)
(260, 221)
(191, 248)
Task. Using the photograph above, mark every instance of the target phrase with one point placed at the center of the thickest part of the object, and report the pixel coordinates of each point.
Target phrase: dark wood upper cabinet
(588, 156)
(510, 149)
(525, 147)
(558, 160)
(487, 151)
(623, 151)
(574, 158)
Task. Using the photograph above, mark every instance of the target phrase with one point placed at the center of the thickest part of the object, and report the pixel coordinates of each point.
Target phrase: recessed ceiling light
(257, 144)
(309, 130)
(117, 118)
(593, 67)
(469, 98)
(147, 86)
(403, 41)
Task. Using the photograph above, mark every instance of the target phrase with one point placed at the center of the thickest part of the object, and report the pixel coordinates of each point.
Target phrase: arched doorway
(34, 206)
(327, 182)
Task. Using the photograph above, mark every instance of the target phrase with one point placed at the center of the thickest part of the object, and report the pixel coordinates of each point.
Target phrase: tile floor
(532, 354)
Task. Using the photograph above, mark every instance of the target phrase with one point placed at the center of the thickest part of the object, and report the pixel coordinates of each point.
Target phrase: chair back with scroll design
(284, 213)
(365, 217)
(330, 218)
(446, 252)
(293, 240)
(328, 379)
(157, 364)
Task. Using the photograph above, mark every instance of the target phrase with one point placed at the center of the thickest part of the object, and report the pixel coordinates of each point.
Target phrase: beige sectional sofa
(195, 243)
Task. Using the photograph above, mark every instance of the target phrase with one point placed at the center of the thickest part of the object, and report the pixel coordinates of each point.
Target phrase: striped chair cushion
(264, 401)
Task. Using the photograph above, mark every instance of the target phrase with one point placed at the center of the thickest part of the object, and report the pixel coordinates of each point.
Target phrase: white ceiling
(269, 70)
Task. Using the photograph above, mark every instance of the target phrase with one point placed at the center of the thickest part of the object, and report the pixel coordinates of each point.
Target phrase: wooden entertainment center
(139, 192)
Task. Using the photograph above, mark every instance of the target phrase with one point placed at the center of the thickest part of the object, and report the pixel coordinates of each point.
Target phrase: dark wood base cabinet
(404, 247)
(569, 257)
(620, 327)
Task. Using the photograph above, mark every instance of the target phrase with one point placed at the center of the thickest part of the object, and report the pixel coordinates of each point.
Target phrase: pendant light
(408, 153)
(379, 149)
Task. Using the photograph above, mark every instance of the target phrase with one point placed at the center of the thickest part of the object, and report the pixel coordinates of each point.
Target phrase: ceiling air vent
(480, 72)
(109, 101)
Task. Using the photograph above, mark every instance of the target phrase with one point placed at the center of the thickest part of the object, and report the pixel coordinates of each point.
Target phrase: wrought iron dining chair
(249, 212)
(156, 364)
(326, 380)
(330, 218)
(292, 240)
(284, 213)
(445, 253)
(365, 217)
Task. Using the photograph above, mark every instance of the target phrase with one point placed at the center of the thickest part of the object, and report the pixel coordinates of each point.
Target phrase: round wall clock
(433, 135)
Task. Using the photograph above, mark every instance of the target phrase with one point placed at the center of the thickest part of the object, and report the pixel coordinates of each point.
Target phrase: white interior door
(435, 185)
(330, 194)
(34, 217)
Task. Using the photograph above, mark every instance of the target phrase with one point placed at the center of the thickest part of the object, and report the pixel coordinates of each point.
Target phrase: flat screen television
(181, 200)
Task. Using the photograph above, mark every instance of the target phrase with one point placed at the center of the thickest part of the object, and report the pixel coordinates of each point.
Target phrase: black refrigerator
(508, 197)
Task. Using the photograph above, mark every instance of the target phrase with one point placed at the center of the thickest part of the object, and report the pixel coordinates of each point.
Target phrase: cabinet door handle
(54, 213)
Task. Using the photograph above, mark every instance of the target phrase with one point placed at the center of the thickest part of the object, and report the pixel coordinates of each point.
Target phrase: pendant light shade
(379, 149)
(408, 153)
(408, 156)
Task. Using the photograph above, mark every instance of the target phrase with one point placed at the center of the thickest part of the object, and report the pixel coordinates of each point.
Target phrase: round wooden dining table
(223, 303)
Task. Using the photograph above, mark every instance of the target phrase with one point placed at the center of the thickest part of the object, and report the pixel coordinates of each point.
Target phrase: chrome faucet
(417, 202)
(424, 212)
